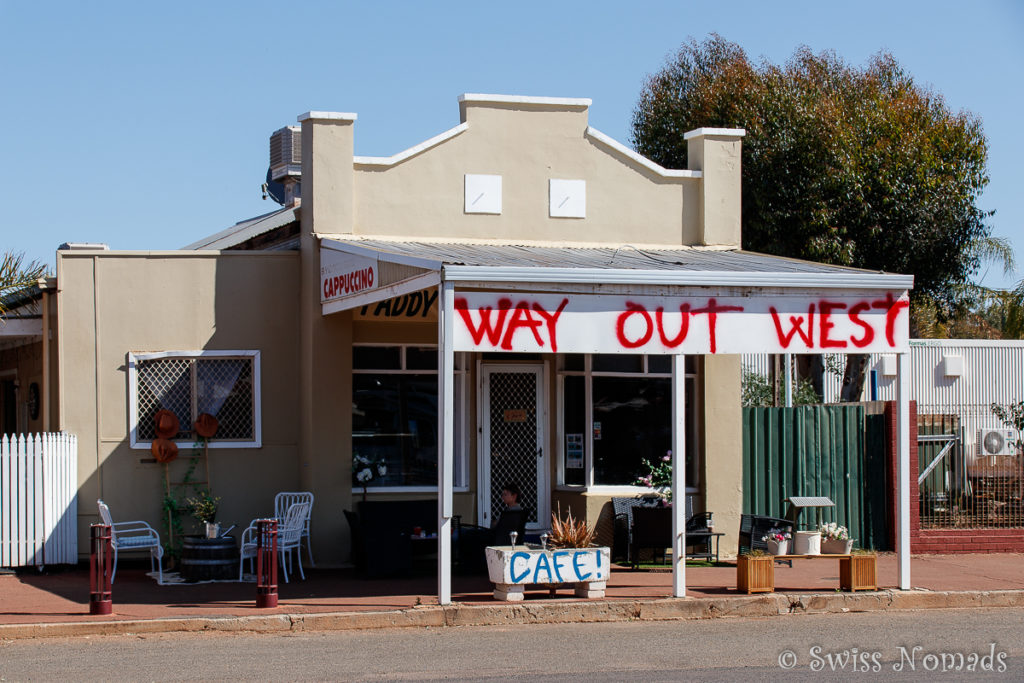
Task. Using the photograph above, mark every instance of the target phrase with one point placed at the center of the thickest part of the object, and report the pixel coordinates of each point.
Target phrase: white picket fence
(38, 500)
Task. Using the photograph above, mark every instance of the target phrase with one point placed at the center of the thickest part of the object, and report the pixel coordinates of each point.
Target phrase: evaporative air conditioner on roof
(997, 442)
(286, 153)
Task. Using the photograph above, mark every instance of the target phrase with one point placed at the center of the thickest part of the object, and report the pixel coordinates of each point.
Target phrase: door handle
(540, 452)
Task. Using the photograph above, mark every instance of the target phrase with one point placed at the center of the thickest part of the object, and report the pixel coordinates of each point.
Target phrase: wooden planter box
(857, 573)
(513, 569)
(755, 574)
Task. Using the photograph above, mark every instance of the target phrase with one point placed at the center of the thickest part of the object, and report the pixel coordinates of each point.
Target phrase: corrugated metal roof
(247, 229)
(624, 257)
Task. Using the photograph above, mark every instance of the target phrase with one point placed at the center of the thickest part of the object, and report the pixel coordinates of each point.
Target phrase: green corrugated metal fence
(828, 450)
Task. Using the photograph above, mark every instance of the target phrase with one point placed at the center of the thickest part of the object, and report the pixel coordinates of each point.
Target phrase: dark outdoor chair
(623, 508)
(468, 543)
(652, 528)
(510, 520)
(755, 527)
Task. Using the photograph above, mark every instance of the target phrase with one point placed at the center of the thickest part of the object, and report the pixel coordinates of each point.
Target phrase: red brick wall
(937, 540)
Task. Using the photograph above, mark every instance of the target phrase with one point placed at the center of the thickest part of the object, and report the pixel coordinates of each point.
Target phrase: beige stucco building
(577, 308)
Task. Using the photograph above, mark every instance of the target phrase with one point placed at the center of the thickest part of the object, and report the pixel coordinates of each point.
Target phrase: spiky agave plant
(569, 532)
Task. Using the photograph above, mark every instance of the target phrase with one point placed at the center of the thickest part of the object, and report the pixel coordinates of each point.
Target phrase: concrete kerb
(660, 609)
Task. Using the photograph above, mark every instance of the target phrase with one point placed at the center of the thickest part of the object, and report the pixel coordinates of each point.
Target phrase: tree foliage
(15, 274)
(851, 166)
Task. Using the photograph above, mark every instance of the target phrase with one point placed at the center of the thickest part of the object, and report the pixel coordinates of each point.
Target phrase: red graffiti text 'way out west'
(499, 332)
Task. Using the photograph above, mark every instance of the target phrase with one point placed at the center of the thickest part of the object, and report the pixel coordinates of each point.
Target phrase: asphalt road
(917, 645)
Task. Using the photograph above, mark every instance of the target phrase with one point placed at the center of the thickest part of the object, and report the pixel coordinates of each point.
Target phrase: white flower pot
(834, 546)
(807, 543)
(778, 547)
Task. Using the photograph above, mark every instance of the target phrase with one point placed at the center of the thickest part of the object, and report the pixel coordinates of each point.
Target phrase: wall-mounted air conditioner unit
(997, 442)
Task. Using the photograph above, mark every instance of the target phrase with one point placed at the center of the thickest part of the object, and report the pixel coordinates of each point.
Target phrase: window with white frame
(616, 412)
(224, 384)
(394, 414)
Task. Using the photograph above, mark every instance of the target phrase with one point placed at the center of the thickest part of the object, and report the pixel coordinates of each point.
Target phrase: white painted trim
(903, 469)
(327, 116)
(399, 288)
(412, 151)
(525, 99)
(133, 403)
(725, 132)
(642, 160)
(700, 278)
(387, 257)
(446, 434)
(679, 475)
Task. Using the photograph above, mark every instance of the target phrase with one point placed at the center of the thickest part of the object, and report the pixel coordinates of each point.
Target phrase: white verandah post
(679, 475)
(446, 438)
(903, 454)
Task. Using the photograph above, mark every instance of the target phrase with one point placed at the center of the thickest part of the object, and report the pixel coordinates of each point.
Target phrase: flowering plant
(365, 470)
(835, 532)
(659, 476)
(777, 535)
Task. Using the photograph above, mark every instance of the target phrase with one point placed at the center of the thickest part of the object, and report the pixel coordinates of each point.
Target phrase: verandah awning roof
(611, 299)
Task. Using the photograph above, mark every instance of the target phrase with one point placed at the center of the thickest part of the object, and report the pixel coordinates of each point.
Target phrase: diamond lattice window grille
(188, 386)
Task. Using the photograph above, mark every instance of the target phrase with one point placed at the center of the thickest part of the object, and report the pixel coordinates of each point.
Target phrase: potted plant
(568, 557)
(835, 539)
(204, 509)
(755, 572)
(365, 470)
(658, 477)
(777, 541)
(807, 543)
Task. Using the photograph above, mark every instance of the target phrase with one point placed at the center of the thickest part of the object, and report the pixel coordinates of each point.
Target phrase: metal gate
(958, 492)
(513, 440)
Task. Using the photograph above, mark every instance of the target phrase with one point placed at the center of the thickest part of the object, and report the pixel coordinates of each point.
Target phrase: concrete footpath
(55, 603)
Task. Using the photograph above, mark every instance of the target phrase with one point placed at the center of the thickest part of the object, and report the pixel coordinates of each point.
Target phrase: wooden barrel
(209, 559)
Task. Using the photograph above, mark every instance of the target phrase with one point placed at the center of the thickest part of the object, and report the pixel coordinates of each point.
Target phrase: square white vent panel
(567, 198)
(483, 193)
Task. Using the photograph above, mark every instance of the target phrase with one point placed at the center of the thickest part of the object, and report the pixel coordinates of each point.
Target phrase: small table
(798, 503)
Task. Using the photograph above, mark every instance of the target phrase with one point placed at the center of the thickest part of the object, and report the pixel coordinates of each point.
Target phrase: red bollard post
(100, 564)
(266, 563)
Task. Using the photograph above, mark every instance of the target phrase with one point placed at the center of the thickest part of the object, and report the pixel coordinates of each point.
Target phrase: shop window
(224, 384)
(616, 413)
(394, 415)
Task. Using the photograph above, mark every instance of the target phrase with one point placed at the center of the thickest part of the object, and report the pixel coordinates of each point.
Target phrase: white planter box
(512, 569)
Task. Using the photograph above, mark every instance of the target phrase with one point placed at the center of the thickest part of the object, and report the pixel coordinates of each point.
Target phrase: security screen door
(512, 448)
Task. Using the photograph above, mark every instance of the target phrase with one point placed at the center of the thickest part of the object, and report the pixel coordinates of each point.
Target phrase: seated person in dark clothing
(513, 518)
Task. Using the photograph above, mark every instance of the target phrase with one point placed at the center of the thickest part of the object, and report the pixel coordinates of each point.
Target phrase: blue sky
(145, 125)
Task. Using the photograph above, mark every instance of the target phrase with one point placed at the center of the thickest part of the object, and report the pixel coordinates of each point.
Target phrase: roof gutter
(883, 281)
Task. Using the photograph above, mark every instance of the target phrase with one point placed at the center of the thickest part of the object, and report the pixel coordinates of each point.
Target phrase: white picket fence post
(38, 500)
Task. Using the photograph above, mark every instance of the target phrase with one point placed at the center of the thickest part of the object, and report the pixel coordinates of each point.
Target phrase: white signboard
(344, 274)
(574, 323)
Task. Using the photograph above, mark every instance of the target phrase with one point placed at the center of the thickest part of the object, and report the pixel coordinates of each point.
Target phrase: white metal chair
(136, 535)
(289, 537)
(286, 499)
